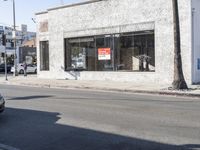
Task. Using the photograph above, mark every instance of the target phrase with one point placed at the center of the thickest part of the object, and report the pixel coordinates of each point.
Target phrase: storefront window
(116, 52)
(44, 55)
(80, 54)
(137, 52)
(104, 47)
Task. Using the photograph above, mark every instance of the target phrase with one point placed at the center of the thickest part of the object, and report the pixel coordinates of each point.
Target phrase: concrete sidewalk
(32, 80)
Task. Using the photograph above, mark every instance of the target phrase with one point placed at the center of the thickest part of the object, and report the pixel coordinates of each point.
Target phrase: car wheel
(35, 70)
(21, 71)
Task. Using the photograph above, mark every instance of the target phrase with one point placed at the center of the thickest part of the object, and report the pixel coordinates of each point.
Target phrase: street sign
(13, 34)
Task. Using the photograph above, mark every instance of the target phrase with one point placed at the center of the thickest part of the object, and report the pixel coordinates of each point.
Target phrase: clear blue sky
(25, 10)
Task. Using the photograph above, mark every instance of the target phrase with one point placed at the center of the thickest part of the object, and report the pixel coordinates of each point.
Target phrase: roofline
(42, 12)
(68, 5)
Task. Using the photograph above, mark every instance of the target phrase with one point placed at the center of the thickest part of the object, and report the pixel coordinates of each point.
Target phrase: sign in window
(104, 54)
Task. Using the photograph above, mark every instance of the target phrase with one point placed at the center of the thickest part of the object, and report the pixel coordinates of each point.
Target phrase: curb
(173, 93)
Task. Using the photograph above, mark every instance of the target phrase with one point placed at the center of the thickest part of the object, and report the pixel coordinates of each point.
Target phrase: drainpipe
(193, 47)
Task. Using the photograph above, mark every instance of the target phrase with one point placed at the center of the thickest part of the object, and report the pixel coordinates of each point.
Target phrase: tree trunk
(179, 81)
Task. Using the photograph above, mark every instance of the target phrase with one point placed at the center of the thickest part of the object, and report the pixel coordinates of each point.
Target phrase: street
(58, 119)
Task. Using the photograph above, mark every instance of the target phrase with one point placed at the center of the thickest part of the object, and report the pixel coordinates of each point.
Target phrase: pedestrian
(25, 68)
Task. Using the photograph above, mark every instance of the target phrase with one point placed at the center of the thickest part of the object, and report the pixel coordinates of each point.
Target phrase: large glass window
(44, 55)
(80, 54)
(116, 52)
(104, 48)
(137, 52)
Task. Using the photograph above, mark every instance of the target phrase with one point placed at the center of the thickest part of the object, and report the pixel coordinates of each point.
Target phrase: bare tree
(179, 81)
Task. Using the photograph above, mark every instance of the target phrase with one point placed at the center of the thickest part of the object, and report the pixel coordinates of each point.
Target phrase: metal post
(113, 51)
(14, 38)
(5, 54)
(5, 60)
(15, 53)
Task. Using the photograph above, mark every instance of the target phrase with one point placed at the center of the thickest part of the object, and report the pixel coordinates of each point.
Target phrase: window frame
(44, 56)
(115, 50)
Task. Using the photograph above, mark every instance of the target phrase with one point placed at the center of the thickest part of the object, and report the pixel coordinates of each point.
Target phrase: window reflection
(104, 52)
(137, 52)
(116, 52)
(44, 55)
(80, 54)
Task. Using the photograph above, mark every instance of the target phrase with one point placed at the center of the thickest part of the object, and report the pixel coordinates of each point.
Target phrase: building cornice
(68, 5)
(42, 12)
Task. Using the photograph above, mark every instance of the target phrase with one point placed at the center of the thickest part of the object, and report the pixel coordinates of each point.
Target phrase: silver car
(2, 104)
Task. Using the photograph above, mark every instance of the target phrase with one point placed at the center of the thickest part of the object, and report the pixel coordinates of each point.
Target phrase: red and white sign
(104, 54)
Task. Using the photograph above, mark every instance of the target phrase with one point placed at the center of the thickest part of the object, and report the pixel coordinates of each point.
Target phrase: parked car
(2, 67)
(2, 104)
(20, 68)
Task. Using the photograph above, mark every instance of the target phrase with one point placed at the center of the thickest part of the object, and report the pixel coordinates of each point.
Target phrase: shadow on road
(37, 130)
(30, 97)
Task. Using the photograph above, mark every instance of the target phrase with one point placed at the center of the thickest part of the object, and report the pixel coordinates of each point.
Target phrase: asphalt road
(53, 119)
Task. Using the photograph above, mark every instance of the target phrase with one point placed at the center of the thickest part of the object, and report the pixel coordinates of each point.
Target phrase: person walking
(25, 68)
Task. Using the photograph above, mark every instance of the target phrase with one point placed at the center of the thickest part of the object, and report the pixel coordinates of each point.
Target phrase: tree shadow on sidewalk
(37, 130)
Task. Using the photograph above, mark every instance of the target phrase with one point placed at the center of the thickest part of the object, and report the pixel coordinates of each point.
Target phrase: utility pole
(14, 38)
(6, 71)
(5, 55)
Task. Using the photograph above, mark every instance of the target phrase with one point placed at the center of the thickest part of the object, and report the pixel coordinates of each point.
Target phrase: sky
(25, 10)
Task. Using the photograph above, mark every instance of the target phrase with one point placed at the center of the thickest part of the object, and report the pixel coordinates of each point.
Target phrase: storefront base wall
(119, 77)
(134, 77)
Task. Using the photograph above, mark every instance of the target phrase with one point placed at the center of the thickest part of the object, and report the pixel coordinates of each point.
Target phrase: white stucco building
(120, 40)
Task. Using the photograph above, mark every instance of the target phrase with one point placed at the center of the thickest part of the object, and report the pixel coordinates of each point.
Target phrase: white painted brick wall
(114, 16)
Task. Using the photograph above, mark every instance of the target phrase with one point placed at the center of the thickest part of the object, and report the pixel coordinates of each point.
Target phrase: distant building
(119, 40)
(27, 52)
(22, 36)
(29, 43)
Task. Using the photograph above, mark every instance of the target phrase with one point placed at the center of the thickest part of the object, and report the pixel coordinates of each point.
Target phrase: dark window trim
(47, 66)
(145, 32)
